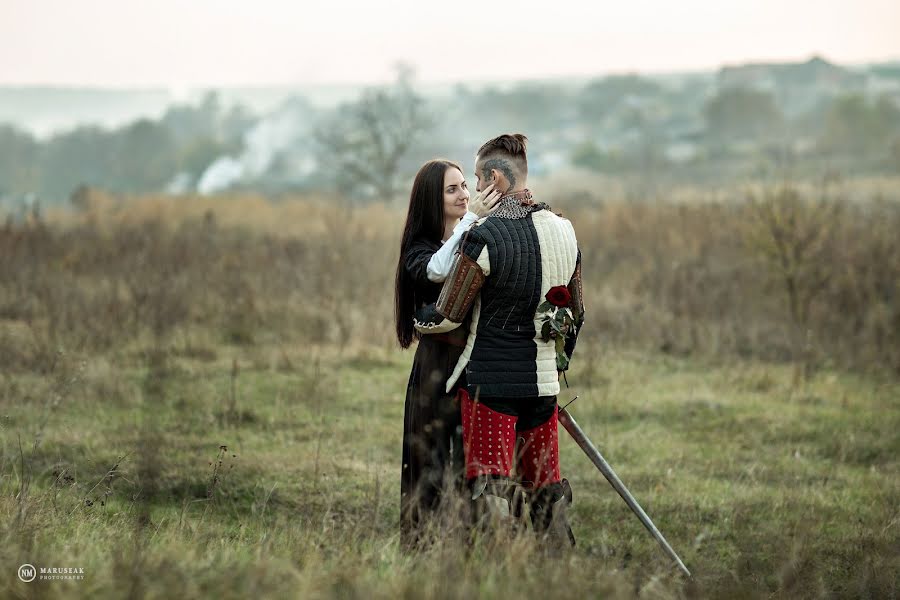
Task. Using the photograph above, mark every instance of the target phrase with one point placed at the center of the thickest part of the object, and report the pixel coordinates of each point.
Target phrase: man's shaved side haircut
(509, 146)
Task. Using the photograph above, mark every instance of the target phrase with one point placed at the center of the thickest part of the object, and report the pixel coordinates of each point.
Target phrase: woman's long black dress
(432, 428)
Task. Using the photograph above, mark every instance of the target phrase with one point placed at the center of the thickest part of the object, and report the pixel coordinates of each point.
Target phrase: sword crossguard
(567, 405)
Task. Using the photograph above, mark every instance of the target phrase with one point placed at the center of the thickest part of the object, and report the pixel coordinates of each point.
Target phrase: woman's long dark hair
(424, 220)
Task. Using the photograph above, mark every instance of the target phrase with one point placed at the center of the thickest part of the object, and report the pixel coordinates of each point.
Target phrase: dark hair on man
(424, 220)
(509, 146)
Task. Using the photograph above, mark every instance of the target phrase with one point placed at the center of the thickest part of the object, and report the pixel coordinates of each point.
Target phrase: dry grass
(205, 396)
(711, 278)
(763, 490)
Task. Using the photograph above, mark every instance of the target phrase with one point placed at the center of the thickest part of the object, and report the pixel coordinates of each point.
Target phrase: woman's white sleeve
(439, 266)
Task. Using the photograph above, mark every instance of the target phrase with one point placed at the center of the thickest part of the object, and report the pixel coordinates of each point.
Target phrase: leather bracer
(460, 288)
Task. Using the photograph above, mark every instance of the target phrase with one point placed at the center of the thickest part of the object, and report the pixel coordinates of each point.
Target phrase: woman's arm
(439, 265)
(484, 204)
(470, 268)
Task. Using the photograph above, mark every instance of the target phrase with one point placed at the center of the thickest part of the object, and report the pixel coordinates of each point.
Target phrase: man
(506, 265)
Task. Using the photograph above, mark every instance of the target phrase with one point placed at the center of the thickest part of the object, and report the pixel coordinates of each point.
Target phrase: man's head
(502, 161)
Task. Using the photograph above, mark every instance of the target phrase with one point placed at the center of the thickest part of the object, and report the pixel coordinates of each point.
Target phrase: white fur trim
(431, 327)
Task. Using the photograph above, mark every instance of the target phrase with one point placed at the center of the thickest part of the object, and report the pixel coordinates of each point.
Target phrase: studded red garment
(489, 438)
(539, 455)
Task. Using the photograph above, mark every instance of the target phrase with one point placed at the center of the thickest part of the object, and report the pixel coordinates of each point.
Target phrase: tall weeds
(779, 275)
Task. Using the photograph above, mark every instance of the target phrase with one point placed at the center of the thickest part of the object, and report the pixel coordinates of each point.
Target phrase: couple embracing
(482, 284)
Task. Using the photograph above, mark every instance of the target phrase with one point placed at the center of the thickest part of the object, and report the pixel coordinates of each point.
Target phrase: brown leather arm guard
(460, 288)
(576, 292)
(577, 305)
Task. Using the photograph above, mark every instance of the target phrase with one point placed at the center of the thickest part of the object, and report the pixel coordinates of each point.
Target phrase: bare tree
(365, 141)
(796, 237)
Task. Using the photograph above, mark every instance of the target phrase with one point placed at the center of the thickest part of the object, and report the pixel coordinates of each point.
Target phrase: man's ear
(500, 181)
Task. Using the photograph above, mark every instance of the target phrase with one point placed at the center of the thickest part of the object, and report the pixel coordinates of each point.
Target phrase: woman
(438, 216)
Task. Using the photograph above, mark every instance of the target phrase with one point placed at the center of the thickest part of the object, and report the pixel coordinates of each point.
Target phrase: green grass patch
(281, 478)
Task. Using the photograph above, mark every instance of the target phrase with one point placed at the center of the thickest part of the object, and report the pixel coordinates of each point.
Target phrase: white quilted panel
(470, 343)
(559, 252)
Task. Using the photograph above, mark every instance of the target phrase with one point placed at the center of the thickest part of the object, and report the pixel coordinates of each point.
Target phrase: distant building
(816, 72)
(797, 87)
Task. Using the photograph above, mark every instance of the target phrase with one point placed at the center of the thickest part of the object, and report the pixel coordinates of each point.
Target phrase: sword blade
(585, 444)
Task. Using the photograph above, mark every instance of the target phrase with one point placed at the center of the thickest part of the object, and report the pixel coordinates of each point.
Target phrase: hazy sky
(188, 43)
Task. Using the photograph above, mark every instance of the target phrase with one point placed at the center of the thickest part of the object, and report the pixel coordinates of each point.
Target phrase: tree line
(367, 146)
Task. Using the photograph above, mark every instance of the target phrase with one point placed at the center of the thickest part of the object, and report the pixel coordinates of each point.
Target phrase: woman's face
(456, 194)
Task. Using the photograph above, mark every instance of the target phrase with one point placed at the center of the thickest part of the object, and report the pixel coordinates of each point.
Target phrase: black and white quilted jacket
(506, 264)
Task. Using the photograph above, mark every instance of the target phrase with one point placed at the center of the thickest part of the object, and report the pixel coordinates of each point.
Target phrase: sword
(582, 440)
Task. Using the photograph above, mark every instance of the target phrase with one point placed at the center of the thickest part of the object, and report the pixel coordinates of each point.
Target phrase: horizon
(44, 110)
(711, 70)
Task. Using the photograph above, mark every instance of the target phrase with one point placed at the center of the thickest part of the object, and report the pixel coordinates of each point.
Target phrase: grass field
(202, 398)
(273, 471)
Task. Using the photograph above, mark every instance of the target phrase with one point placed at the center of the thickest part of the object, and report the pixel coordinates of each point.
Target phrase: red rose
(559, 296)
